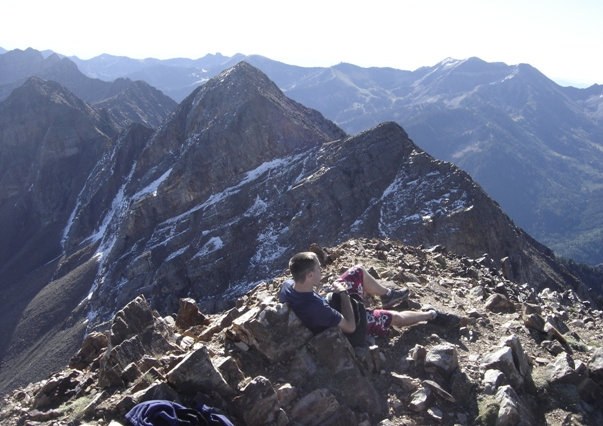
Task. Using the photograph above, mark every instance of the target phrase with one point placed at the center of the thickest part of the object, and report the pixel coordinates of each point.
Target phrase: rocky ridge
(533, 145)
(518, 357)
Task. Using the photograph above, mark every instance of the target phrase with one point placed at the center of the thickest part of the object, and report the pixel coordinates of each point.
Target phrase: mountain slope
(534, 146)
(49, 141)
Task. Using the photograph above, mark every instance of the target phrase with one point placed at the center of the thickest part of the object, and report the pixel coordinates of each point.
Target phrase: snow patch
(152, 187)
(268, 248)
(176, 254)
(250, 176)
(429, 195)
(214, 244)
(258, 207)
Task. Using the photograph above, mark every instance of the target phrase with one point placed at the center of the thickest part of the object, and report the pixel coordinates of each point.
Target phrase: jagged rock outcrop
(259, 365)
(239, 179)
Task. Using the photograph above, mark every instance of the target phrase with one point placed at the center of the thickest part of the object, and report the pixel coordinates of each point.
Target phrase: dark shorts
(378, 321)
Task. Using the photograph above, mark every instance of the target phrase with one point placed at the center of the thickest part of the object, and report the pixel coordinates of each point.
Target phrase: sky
(561, 38)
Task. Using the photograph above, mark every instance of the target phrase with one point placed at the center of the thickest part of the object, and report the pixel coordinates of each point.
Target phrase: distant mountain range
(122, 99)
(534, 146)
(216, 199)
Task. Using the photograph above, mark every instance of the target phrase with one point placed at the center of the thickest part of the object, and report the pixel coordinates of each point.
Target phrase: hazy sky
(562, 38)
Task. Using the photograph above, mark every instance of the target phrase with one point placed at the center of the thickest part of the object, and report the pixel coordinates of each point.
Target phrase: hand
(339, 287)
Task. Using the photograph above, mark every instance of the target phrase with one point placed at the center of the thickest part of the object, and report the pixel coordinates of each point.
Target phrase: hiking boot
(445, 319)
(394, 297)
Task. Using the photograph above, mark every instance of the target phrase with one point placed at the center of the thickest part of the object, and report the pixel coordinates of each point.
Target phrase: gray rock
(135, 317)
(286, 393)
(561, 370)
(438, 390)
(275, 331)
(511, 411)
(420, 399)
(92, 347)
(502, 359)
(519, 356)
(553, 346)
(534, 321)
(196, 372)
(337, 364)
(230, 370)
(493, 379)
(189, 314)
(443, 358)
(315, 408)
(407, 383)
(499, 303)
(595, 365)
(258, 403)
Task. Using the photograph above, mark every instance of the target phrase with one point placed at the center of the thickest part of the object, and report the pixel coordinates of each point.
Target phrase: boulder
(438, 390)
(512, 411)
(420, 399)
(595, 365)
(258, 403)
(286, 393)
(493, 379)
(553, 332)
(275, 331)
(407, 383)
(561, 370)
(502, 360)
(336, 364)
(92, 347)
(519, 356)
(441, 358)
(135, 317)
(230, 370)
(315, 408)
(534, 321)
(57, 390)
(189, 314)
(499, 303)
(196, 372)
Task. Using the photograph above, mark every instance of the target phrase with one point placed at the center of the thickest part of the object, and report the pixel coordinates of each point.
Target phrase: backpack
(358, 337)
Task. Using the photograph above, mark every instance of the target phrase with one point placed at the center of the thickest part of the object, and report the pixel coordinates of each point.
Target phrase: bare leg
(371, 286)
(406, 318)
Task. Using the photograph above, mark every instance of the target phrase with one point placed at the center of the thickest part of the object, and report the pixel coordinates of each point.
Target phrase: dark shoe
(395, 296)
(446, 320)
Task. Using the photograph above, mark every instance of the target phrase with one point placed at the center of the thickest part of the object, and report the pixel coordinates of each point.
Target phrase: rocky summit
(216, 200)
(516, 356)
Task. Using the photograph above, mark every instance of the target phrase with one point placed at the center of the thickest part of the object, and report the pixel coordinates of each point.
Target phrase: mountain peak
(244, 96)
(241, 81)
(36, 90)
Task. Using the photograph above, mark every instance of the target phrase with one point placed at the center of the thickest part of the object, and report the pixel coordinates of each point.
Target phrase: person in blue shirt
(316, 313)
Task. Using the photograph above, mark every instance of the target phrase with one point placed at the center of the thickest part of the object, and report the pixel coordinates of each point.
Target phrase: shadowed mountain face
(535, 147)
(49, 141)
(220, 196)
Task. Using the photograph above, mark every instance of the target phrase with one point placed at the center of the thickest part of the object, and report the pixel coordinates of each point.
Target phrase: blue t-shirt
(313, 311)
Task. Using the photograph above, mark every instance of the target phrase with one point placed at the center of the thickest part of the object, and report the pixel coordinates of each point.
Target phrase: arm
(347, 323)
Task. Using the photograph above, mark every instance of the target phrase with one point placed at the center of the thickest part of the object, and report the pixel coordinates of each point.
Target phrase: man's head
(305, 263)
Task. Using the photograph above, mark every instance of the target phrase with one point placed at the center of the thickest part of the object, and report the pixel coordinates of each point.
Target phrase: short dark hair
(301, 264)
